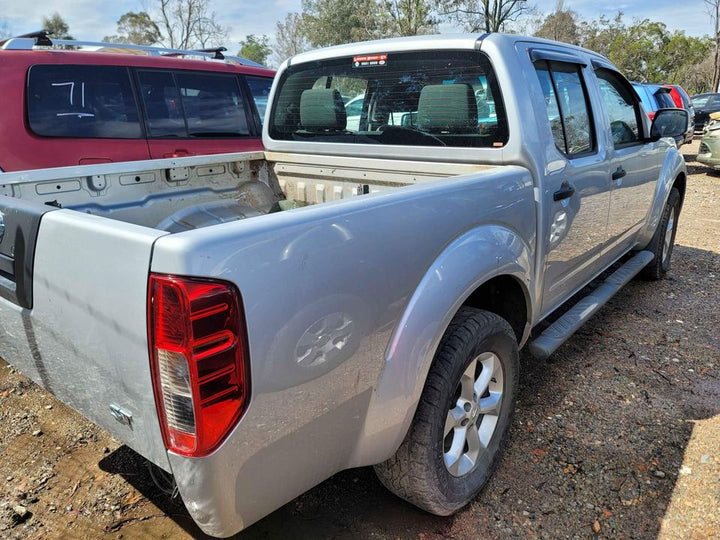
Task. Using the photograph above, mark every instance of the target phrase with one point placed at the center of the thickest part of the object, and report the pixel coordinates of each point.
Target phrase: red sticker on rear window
(369, 60)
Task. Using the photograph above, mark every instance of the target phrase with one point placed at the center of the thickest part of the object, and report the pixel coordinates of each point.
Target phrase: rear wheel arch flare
(505, 296)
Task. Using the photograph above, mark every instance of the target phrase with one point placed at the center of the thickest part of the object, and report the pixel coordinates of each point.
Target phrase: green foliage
(644, 51)
(408, 17)
(136, 28)
(290, 38)
(56, 26)
(560, 25)
(333, 22)
(255, 48)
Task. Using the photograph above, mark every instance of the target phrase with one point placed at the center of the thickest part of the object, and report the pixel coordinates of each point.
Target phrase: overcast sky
(94, 19)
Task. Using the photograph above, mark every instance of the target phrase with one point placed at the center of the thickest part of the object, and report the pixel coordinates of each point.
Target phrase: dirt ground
(616, 436)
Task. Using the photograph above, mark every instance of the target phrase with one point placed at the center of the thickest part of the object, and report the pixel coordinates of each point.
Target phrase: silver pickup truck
(253, 323)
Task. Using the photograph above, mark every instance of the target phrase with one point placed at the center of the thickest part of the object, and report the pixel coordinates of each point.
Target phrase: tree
(255, 48)
(136, 28)
(56, 26)
(485, 15)
(188, 24)
(409, 17)
(713, 9)
(333, 22)
(560, 25)
(598, 35)
(290, 37)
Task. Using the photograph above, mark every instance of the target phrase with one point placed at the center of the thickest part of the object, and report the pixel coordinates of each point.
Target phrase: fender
(469, 261)
(672, 167)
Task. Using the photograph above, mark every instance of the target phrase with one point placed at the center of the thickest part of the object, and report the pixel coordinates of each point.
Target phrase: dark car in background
(655, 97)
(704, 105)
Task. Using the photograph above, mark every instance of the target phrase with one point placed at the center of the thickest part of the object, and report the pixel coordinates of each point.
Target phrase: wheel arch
(672, 175)
(489, 267)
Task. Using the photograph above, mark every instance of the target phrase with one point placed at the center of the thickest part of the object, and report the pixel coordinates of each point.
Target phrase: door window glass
(621, 108)
(163, 107)
(551, 104)
(260, 91)
(567, 107)
(192, 104)
(213, 105)
(82, 101)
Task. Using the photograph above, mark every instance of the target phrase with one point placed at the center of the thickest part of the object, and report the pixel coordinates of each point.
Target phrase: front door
(635, 165)
(576, 189)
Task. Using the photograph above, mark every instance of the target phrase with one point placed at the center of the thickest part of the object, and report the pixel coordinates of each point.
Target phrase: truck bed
(85, 337)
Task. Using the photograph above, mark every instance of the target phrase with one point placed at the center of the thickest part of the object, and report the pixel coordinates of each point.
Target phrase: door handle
(565, 192)
(620, 173)
(177, 153)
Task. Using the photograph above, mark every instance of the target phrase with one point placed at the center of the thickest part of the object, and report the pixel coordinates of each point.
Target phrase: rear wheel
(463, 416)
(663, 240)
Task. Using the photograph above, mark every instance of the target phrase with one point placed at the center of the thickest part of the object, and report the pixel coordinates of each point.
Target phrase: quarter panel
(324, 288)
(472, 259)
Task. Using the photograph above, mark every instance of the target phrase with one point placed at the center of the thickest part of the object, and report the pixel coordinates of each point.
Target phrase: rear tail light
(198, 354)
(651, 115)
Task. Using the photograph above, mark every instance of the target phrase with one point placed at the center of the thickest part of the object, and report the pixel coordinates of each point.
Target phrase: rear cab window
(82, 101)
(412, 99)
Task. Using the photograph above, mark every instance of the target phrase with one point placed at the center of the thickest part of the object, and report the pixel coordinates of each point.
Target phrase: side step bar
(559, 331)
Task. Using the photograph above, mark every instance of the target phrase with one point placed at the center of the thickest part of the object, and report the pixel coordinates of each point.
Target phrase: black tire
(659, 266)
(417, 472)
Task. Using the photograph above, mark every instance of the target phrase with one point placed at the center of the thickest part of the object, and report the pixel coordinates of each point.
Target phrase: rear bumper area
(276, 453)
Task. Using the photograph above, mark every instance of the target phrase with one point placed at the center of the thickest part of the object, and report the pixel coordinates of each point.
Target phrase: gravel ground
(616, 436)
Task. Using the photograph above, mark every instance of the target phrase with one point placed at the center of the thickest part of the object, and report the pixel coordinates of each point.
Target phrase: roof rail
(41, 39)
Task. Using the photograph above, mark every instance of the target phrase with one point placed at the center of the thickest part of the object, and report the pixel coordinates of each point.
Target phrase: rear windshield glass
(664, 100)
(418, 99)
(82, 101)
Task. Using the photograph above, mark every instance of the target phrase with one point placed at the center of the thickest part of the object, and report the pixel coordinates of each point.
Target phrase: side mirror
(669, 123)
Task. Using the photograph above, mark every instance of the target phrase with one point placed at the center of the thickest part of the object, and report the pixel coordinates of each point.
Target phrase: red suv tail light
(198, 358)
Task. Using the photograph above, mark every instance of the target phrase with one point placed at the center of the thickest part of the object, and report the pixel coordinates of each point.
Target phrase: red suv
(81, 107)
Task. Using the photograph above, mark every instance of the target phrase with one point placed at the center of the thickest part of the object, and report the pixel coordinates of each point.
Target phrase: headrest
(447, 107)
(322, 109)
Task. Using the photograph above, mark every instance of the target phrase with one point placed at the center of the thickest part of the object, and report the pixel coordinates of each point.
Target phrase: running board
(559, 331)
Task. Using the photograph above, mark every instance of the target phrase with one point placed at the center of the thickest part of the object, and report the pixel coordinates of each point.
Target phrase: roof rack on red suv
(42, 38)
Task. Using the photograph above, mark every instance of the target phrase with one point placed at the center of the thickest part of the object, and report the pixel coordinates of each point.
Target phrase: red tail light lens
(199, 365)
(651, 115)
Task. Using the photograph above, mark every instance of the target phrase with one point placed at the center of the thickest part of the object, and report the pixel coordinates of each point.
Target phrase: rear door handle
(177, 153)
(620, 173)
(565, 192)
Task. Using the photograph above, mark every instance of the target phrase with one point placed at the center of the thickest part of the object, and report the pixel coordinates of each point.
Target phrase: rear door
(576, 187)
(196, 112)
(635, 163)
(80, 115)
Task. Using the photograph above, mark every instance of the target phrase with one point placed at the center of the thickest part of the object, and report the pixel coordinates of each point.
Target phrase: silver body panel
(85, 339)
(394, 265)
